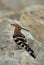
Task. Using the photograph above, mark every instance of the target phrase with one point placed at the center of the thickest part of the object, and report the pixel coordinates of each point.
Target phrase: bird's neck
(17, 30)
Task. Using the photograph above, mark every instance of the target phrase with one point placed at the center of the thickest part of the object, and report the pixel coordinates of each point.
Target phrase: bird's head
(17, 26)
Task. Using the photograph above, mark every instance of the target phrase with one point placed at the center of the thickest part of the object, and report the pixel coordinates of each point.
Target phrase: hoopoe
(20, 39)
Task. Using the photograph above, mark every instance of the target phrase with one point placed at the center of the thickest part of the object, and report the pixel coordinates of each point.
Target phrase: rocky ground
(31, 18)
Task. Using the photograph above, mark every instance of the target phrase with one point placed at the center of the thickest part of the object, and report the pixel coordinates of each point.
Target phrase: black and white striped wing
(21, 41)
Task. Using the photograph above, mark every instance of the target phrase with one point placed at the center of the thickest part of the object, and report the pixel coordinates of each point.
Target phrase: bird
(20, 39)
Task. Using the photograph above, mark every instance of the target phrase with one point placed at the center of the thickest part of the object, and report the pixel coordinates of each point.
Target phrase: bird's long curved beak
(13, 24)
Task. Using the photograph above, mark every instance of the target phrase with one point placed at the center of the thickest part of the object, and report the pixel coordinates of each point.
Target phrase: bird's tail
(32, 54)
(29, 50)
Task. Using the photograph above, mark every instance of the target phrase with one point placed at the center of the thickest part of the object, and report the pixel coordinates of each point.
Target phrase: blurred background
(29, 14)
(18, 5)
